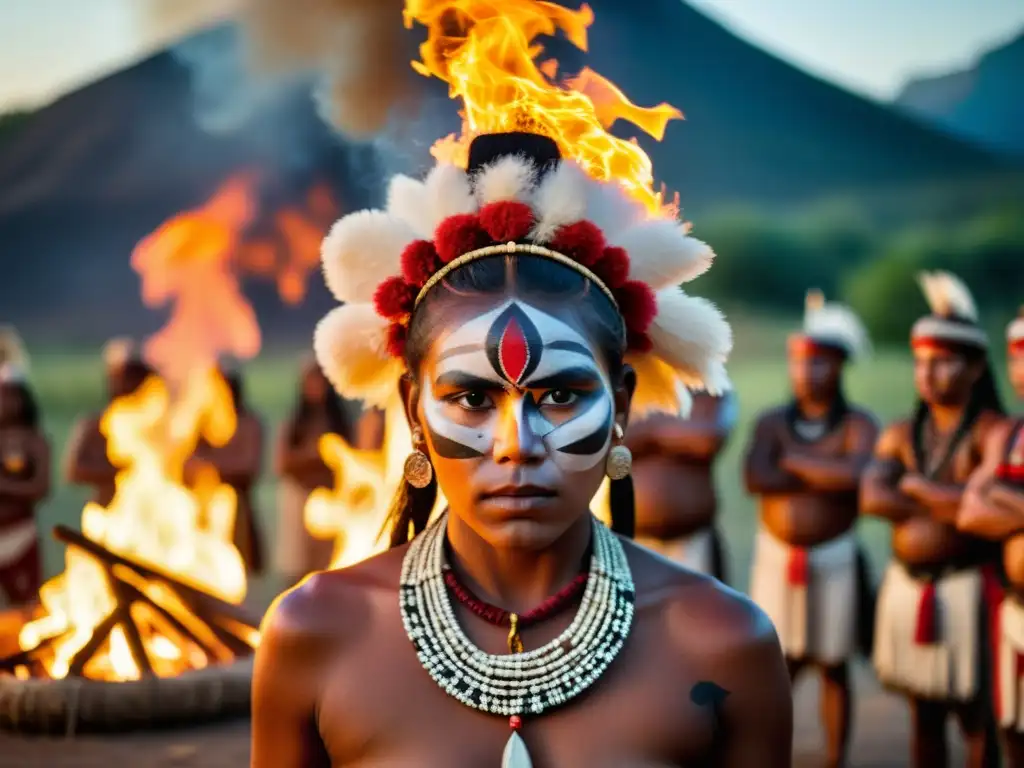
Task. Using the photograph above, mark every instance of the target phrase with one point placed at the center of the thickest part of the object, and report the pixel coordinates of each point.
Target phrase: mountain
(982, 104)
(84, 179)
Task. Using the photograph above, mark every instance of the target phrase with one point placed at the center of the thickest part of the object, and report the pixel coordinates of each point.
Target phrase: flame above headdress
(380, 263)
(13, 358)
(832, 324)
(954, 314)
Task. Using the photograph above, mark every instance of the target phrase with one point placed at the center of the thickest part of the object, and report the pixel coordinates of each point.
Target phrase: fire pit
(213, 641)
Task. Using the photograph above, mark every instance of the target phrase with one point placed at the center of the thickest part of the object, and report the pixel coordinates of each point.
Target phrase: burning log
(230, 629)
(222, 631)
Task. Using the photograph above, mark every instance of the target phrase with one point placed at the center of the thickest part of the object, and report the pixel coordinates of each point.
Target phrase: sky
(872, 47)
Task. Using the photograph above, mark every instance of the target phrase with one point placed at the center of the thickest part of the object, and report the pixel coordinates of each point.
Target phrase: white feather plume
(662, 255)
(611, 209)
(947, 296)
(448, 193)
(690, 335)
(12, 349)
(350, 343)
(407, 200)
(560, 199)
(360, 251)
(509, 178)
(835, 323)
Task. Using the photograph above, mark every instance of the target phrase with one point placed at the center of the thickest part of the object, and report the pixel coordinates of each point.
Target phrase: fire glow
(153, 587)
(486, 51)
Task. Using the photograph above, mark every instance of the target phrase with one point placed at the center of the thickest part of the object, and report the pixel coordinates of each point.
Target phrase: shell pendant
(515, 755)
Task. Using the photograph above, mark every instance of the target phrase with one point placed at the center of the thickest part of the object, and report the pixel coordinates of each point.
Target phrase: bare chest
(380, 708)
(942, 458)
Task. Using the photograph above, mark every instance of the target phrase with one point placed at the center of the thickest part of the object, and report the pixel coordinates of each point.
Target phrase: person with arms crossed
(931, 635)
(804, 464)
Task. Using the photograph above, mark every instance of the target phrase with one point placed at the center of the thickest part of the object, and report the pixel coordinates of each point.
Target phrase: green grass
(70, 383)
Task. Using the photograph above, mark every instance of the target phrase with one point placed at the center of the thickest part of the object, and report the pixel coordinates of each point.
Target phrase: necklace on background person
(525, 683)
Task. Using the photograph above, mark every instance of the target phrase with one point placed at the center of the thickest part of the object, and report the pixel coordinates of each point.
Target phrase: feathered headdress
(954, 315)
(834, 325)
(518, 197)
(13, 358)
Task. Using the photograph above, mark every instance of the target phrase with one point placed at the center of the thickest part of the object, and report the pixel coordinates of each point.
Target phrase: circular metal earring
(619, 463)
(418, 470)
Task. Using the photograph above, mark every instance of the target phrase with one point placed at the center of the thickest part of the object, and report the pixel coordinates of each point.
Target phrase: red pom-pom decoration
(507, 220)
(459, 234)
(613, 267)
(637, 305)
(419, 262)
(638, 342)
(396, 340)
(581, 241)
(394, 298)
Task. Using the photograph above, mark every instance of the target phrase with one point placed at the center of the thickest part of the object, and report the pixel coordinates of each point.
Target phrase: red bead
(515, 722)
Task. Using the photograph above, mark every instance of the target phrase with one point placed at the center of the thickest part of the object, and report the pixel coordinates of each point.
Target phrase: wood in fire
(214, 626)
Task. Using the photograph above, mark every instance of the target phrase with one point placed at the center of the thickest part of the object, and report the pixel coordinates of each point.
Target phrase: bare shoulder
(705, 620)
(327, 610)
(894, 438)
(863, 417)
(992, 424)
(770, 419)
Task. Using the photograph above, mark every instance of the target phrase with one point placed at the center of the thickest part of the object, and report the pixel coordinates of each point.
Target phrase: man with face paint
(804, 463)
(24, 477)
(507, 327)
(932, 639)
(993, 508)
(86, 461)
(673, 470)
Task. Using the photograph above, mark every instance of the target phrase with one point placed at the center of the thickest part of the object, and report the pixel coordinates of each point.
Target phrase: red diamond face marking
(513, 351)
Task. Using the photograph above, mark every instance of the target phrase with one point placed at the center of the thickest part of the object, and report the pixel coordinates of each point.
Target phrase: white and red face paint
(520, 351)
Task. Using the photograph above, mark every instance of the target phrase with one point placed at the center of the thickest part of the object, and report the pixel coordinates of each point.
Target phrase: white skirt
(814, 608)
(947, 669)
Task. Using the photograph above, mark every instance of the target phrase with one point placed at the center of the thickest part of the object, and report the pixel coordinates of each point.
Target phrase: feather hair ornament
(381, 263)
(13, 358)
(954, 313)
(833, 324)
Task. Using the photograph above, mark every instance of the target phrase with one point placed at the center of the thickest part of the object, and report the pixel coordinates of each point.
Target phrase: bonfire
(153, 585)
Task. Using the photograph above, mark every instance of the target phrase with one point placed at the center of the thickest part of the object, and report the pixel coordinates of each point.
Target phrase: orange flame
(184, 528)
(487, 52)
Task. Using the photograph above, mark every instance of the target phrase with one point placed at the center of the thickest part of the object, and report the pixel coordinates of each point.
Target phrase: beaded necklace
(516, 622)
(517, 684)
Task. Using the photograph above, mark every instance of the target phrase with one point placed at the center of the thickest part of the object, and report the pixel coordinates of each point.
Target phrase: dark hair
(543, 281)
(29, 407)
(984, 396)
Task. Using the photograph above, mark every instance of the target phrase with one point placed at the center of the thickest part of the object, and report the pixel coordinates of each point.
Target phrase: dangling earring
(418, 470)
(619, 463)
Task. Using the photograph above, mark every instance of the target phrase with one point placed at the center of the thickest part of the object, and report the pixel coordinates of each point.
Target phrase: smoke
(358, 48)
(255, 81)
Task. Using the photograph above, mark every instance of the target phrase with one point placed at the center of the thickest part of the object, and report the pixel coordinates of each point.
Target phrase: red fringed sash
(797, 571)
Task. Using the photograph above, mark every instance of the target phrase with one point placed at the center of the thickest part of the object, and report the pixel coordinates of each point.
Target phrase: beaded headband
(513, 248)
